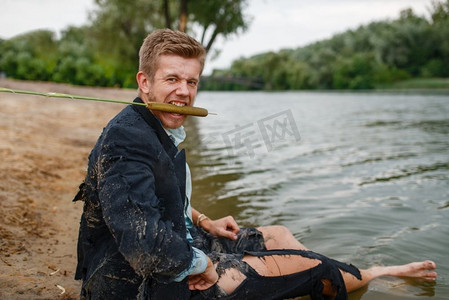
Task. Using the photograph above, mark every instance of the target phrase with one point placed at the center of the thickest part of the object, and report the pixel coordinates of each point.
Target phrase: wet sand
(44, 145)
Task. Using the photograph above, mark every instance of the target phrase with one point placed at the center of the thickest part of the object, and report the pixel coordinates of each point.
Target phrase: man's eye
(171, 79)
(192, 82)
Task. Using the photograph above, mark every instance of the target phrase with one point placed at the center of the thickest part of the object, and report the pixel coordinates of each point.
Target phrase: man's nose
(182, 88)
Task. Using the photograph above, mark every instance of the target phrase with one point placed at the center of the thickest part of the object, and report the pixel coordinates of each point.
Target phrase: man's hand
(225, 227)
(204, 280)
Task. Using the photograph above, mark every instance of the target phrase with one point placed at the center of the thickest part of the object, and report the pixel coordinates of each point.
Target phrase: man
(139, 236)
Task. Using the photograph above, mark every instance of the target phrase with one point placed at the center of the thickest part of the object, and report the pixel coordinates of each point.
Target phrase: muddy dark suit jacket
(134, 195)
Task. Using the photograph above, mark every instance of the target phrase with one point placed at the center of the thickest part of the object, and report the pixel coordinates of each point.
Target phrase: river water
(360, 177)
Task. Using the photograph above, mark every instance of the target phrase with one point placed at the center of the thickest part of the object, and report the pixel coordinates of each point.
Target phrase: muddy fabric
(255, 286)
(114, 280)
(248, 239)
(133, 215)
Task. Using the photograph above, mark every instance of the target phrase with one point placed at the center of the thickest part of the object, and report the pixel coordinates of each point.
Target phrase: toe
(430, 265)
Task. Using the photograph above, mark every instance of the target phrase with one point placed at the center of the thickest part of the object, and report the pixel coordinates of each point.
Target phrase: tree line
(105, 51)
(371, 56)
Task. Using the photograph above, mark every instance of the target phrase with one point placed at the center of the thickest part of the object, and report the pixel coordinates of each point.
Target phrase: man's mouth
(177, 103)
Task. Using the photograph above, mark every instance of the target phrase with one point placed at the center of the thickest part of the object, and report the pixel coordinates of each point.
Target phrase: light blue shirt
(199, 260)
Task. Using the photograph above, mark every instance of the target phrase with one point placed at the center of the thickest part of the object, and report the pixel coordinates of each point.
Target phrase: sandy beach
(44, 144)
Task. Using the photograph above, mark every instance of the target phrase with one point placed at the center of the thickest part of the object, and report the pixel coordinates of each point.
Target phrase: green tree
(30, 56)
(76, 60)
(117, 30)
(438, 65)
(408, 43)
(364, 71)
(119, 26)
(211, 18)
(217, 18)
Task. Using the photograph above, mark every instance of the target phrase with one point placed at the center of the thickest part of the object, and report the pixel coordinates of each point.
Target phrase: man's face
(175, 82)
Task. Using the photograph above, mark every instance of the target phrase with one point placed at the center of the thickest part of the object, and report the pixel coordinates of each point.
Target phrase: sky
(275, 25)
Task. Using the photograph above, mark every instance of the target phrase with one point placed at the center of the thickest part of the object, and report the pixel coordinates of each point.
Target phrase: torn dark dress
(132, 239)
(229, 254)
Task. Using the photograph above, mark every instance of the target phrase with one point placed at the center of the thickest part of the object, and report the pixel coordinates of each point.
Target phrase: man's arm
(225, 227)
(204, 280)
(132, 210)
(198, 265)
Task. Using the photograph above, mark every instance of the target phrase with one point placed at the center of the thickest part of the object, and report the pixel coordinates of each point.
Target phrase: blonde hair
(167, 41)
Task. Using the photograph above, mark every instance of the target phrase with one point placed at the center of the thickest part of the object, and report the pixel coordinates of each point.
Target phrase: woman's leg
(279, 274)
(422, 270)
(279, 237)
(289, 264)
(262, 276)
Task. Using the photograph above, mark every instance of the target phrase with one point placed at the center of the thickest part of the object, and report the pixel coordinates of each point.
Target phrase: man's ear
(143, 81)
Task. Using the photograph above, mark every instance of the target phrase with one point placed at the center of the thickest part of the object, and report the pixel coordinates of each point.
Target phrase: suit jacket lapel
(178, 157)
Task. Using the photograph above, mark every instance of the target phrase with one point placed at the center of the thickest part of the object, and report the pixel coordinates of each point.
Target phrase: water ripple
(403, 173)
(367, 183)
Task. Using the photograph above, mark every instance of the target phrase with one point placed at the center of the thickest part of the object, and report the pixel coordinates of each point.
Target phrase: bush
(356, 72)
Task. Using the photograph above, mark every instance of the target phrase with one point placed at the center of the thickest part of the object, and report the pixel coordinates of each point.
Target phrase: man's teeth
(180, 104)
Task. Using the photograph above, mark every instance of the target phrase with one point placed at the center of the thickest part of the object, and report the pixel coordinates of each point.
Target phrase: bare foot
(421, 270)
